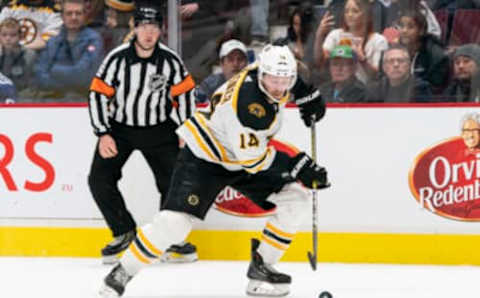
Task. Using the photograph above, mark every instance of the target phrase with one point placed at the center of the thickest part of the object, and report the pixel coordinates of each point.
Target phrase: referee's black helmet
(147, 13)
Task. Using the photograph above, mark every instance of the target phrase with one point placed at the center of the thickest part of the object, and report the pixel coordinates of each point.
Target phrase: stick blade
(313, 260)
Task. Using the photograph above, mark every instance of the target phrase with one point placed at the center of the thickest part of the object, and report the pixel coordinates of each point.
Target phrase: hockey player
(228, 146)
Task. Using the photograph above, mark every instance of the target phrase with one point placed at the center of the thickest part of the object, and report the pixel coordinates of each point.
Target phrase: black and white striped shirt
(140, 92)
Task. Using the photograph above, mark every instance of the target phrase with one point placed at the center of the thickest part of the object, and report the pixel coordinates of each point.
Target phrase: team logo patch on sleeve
(257, 109)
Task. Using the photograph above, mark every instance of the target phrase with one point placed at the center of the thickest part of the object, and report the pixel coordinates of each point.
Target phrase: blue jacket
(65, 67)
(205, 90)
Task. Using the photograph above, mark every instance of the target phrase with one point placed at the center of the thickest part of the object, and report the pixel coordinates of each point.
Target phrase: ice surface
(79, 277)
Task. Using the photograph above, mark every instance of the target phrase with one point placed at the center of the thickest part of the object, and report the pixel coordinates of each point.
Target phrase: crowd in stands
(354, 51)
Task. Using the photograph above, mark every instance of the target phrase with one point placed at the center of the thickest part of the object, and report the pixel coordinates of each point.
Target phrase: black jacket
(412, 90)
(431, 63)
(462, 91)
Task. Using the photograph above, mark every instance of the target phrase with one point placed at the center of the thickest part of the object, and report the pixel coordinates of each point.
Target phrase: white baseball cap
(230, 45)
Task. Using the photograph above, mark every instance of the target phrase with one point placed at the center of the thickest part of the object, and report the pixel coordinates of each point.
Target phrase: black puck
(325, 294)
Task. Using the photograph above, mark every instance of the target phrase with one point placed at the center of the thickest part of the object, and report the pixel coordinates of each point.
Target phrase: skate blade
(110, 260)
(107, 292)
(172, 257)
(259, 288)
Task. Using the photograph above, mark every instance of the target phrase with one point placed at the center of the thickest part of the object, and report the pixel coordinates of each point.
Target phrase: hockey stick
(312, 256)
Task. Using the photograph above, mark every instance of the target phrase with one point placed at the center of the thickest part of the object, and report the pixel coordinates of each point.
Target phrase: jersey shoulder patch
(253, 110)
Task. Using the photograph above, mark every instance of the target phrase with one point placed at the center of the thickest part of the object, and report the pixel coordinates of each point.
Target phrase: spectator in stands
(398, 84)
(395, 9)
(343, 86)
(430, 62)
(201, 21)
(16, 61)
(67, 65)
(39, 19)
(336, 9)
(465, 85)
(357, 32)
(233, 58)
(8, 93)
(118, 23)
(204, 23)
(95, 13)
(300, 38)
(299, 30)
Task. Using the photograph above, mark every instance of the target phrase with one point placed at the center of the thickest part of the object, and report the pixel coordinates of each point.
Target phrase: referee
(139, 96)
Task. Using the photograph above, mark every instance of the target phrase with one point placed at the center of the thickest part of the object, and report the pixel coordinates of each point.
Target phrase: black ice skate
(184, 252)
(115, 282)
(119, 244)
(264, 280)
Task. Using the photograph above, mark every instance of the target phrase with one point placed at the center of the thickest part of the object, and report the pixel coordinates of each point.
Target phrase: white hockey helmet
(276, 61)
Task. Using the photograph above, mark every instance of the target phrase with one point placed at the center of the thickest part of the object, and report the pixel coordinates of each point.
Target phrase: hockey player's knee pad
(293, 204)
(174, 226)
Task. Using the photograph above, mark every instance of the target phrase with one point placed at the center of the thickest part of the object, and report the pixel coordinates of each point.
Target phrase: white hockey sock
(293, 204)
(275, 241)
(168, 227)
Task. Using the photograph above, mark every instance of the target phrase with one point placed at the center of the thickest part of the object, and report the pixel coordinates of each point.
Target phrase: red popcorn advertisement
(445, 178)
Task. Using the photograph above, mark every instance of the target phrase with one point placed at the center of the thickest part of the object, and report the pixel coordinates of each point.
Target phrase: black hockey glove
(312, 107)
(304, 169)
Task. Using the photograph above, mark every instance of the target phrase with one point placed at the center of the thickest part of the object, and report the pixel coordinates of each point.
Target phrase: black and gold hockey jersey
(236, 130)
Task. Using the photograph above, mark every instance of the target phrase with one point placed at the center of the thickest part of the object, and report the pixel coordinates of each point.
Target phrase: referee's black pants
(159, 146)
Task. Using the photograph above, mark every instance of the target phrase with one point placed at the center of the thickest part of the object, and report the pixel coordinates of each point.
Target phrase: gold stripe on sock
(274, 243)
(148, 244)
(133, 248)
(279, 232)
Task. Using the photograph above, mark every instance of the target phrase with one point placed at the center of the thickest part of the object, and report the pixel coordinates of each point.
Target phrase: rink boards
(375, 211)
